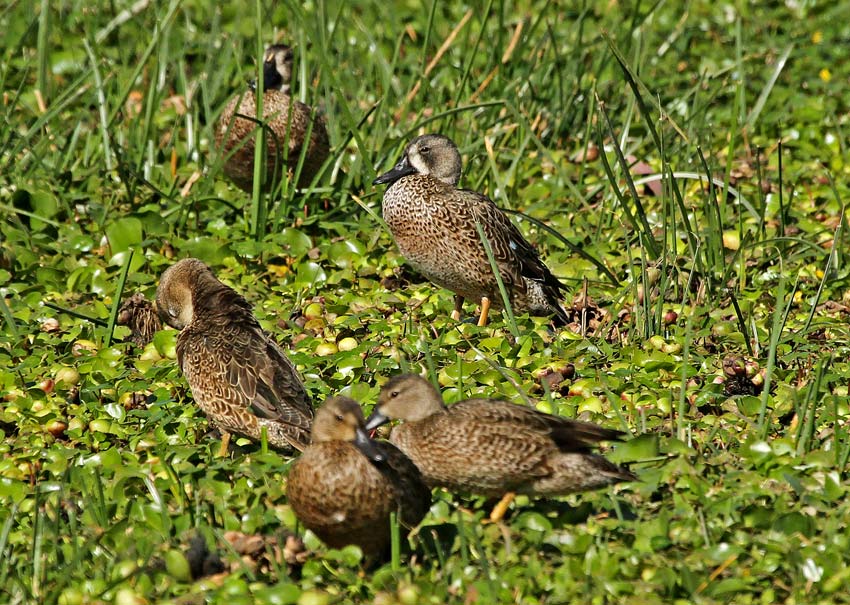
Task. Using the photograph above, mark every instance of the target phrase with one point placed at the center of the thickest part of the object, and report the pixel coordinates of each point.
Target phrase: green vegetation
(568, 112)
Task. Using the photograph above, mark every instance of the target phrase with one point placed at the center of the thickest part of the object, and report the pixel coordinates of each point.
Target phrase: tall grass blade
(258, 208)
(395, 543)
(102, 109)
(119, 293)
(473, 53)
(43, 49)
(805, 428)
(464, 540)
(572, 247)
(639, 224)
(506, 299)
(5, 557)
(485, 567)
(635, 84)
(775, 334)
(778, 66)
(681, 428)
(11, 324)
(742, 323)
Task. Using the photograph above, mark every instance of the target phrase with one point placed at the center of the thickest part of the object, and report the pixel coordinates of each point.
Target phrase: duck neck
(272, 80)
(213, 298)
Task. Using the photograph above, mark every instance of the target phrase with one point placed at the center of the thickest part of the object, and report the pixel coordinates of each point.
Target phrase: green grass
(710, 227)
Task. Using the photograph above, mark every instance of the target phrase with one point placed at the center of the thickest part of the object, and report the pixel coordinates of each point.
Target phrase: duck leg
(458, 307)
(225, 444)
(485, 311)
(501, 507)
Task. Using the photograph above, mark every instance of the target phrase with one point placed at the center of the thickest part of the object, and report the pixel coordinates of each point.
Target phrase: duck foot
(225, 444)
(458, 307)
(485, 312)
(498, 512)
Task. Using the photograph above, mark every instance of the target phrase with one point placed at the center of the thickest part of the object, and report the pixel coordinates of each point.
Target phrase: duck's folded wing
(568, 434)
(515, 256)
(259, 369)
(487, 450)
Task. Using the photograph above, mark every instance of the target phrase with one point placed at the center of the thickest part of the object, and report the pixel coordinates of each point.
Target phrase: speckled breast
(434, 236)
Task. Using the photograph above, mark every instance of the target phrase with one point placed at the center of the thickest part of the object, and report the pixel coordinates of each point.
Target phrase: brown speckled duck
(138, 314)
(344, 486)
(434, 225)
(493, 447)
(239, 376)
(289, 121)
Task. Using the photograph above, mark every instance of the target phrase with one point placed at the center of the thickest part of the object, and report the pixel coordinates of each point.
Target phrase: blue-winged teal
(288, 121)
(344, 486)
(434, 225)
(239, 376)
(138, 314)
(492, 447)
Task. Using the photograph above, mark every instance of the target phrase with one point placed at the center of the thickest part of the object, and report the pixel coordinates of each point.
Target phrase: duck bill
(403, 168)
(271, 78)
(375, 420)
(366, 446)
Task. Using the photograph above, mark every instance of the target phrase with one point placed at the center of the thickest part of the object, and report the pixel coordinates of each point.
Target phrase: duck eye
(339, 418)
(394, 393)
(425, 150)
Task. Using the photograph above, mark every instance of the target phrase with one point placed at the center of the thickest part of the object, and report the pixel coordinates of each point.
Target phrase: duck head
(405, 397)
(341, 419)
(432, 155)
(177, 290)
(277, 68)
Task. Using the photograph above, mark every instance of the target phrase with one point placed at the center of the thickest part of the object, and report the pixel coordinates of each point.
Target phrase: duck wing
(268, 379)
(516, 258)
(567, 434)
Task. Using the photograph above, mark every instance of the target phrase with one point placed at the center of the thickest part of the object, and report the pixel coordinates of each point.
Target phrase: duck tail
(625, 475)
(552, 288)
(575, 434)
(560, 318)
(615, 472)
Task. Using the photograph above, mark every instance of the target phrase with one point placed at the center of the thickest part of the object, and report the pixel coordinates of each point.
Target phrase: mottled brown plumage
(344, 486)
(138, 314)
(434, 225)
(288, 121)
(491, 447)
(238, 375)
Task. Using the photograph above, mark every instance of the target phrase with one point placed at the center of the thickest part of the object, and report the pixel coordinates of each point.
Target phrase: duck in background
(291, 124)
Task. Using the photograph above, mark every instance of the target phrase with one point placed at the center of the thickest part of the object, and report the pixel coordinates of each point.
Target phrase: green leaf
(44, 204)
(124, 234)
(640, 448)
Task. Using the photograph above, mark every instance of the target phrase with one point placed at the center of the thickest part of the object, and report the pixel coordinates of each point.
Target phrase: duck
(289, 121)
(433, 223)
(139, 314)
(493, 447)
(344, 485)
(238, 374)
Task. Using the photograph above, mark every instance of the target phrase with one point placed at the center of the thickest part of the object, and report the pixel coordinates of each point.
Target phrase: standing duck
(289, 122)
(344, 486)
(434, 225)
(493, 447)
(238, 375)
